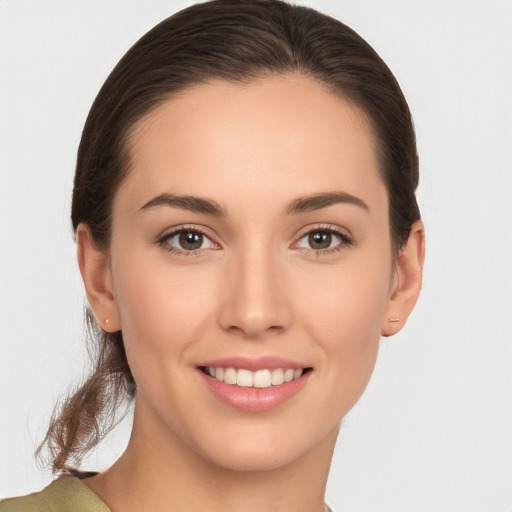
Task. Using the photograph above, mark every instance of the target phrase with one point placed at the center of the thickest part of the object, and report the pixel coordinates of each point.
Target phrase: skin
(255, 288)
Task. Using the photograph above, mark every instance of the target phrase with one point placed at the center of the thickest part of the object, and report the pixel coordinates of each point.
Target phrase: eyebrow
(190, 203)
(210, 207)
(323, 200)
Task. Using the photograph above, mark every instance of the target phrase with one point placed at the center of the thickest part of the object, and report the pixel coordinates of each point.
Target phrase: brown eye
(190, 241)
(324, 240)
(187, 240)
(320, 240)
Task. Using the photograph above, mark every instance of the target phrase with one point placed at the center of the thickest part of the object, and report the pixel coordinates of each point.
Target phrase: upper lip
(254, 364)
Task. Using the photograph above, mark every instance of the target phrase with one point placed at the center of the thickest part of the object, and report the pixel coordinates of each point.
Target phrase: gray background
(433, 432)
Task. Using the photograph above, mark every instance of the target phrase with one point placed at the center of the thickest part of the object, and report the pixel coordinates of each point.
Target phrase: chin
(252, 460)
(262, 451)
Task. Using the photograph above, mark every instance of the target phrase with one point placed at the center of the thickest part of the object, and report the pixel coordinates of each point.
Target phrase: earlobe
(97, 278)
(409, 273)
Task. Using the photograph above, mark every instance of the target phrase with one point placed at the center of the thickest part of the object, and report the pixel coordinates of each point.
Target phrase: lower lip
(255, 399)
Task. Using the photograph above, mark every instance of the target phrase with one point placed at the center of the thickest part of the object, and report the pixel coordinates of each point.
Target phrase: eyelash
(345, 240)
(163, 241)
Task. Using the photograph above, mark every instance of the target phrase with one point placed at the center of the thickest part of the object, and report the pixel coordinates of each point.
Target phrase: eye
(187, 240)
(324, 240)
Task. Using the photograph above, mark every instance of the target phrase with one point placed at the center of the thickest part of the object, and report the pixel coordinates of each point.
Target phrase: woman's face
(251, 237)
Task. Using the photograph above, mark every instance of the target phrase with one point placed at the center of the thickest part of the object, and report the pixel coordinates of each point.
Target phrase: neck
(161, 473)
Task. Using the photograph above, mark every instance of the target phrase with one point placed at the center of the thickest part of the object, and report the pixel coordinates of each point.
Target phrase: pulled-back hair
(236, 41)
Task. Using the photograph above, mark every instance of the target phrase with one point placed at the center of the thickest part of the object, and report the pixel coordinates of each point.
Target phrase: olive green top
(66, 494)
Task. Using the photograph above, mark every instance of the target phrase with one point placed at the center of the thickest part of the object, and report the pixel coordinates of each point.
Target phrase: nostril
(255, 330)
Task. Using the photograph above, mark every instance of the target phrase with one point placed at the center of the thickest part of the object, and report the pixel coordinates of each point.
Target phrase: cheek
(346, 306)
(344, 316)
(162, 309)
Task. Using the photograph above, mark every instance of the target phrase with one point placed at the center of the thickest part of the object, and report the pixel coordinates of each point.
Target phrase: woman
(247, 229)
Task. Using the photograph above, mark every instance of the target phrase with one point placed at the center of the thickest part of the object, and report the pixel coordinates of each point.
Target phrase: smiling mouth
(264, 378)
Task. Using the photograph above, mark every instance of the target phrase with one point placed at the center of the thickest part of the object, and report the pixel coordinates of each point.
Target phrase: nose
(255, 304)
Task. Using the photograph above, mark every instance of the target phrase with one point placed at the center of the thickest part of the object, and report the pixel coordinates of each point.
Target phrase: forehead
(223, 139)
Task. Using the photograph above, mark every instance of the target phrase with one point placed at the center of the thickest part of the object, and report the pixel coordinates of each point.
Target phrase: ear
(406, 282)
(97, 278)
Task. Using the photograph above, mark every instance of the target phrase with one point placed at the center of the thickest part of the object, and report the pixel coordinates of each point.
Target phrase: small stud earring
(107, 321)
(393, 319)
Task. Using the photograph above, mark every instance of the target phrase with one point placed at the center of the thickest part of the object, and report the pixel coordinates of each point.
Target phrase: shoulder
(66, 494)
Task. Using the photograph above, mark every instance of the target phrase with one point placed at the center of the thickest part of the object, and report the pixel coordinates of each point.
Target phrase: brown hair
(236, 41)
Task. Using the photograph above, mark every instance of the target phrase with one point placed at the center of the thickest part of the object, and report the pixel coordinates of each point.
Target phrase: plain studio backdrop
(433, 431)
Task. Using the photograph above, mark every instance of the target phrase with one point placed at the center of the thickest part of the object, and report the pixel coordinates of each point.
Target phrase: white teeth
(288, 375)
(277, 377)
(230, 376)
(262, 379)
(244, 378)
(259, 379)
